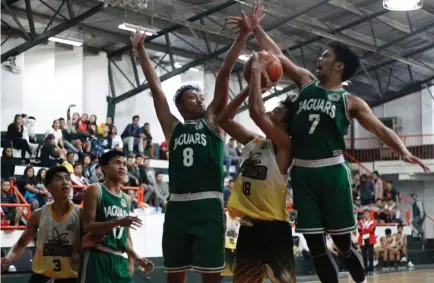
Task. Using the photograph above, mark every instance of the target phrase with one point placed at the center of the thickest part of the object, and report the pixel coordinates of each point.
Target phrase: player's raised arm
(275, 133)
(160, 101)
(221, 91)
(362, 113)
(26, 237)
(90, 203)
(226, 119)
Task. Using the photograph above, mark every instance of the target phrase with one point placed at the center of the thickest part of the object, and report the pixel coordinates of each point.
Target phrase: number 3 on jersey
(187, 153)
(315, 118)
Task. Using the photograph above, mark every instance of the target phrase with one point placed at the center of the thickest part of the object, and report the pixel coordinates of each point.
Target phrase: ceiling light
(244, 57)
(66, 41)
(135, 28)
(402, 5)
(179, 65)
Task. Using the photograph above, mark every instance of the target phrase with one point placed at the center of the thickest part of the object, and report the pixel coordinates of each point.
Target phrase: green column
(111, 108)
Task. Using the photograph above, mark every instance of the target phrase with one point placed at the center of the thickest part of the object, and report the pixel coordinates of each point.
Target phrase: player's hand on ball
(147, 265)
(5, 263)
(138, 40)
(261, 60)
(246, 24)
(91, 240)
(130, 221)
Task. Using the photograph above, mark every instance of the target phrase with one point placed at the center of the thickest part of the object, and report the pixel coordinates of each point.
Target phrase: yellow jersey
(58, 244)
(260, 190)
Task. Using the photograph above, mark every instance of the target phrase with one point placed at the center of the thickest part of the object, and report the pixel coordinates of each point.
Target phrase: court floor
(416, 276)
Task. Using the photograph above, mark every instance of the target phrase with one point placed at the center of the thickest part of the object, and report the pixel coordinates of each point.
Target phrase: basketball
(273, 69)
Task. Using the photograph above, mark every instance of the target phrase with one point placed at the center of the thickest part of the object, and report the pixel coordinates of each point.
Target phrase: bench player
(106, 212)
(57, 228)
(193, 235)
(321, 179)
(264, 246)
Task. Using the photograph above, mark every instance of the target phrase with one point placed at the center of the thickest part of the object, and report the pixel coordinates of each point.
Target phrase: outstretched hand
(138, 40)
(246, 24)
(146, 264)
(410, 158)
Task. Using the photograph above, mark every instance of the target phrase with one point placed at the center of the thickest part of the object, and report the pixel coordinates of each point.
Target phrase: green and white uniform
(108, 262)
(321, 178)
(193, 235)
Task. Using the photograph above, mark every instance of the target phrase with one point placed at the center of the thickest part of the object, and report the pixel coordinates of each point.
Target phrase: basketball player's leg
(208, 231)
(337, 204)
(249, 267)
(177, 245)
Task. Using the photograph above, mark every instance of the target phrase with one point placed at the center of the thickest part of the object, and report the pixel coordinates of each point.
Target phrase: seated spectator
(58, 141)
(366, 190)
(13, 214)
(15, 135)
(164, 150)
(391, 193)
(28, 133)
(231, 157)
(49, 156)
(132, 136)
(82, 133)
(108, 122)
(98, 177)
(88, 168)
(40, 178)
(133, 172)
(70, 159)
(378, 184)
(227, 191)
(150, 172)
(239, 149)
(92, 126)
(7, 164)
(401, 238)
(147, 140)
(67, 137)
(77, 179)
(144, 181)
(111, 139)
(161, 190)
(28, 187)
(135, 201)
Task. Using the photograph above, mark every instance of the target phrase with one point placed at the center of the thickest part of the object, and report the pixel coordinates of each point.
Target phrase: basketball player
(264, 246)
(57, 229)
(321, 179)
(193, 235)
(106, 211)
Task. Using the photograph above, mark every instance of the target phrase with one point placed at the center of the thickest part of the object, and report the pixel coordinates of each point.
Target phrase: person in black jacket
(15, 134)
(7, 164)
(49, 157)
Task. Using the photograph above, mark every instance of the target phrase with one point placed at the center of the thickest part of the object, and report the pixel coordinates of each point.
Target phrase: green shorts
(101, 267)
(193, 236)
(323, 199)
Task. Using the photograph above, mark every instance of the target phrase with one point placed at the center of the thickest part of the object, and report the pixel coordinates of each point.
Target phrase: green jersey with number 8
(195, 158)
(111, 206)
(319, 122)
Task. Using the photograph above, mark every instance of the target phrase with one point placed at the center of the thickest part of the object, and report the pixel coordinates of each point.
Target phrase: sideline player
(264, 246)
(106, 211)
(57, 229)
(321, 179)
(193, 236)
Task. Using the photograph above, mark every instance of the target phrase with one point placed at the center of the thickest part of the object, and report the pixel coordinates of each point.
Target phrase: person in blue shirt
(132, 135)
(227, 191)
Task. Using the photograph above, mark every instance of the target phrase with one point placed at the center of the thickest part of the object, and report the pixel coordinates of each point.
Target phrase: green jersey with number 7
(195, 158)
(319, 122)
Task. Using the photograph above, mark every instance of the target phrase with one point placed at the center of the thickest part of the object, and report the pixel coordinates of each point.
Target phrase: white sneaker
(404, 259)
(410, 264)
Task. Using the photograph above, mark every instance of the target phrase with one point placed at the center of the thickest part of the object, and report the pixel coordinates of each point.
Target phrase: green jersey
(195, 158)
(319, 122)
(111, 206)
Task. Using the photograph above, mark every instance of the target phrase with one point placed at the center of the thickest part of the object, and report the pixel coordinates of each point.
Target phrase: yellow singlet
(260, 190)
(58, 244)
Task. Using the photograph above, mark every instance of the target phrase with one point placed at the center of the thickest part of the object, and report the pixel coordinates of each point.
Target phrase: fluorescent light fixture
(135, 28)
(66, 41)
(244, 57)
(179, 65)
(402, 5)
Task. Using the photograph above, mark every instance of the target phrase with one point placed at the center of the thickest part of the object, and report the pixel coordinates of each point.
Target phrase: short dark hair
(158, 173)
(31, 118)
(231, 139)
(52, 172)
(61, 119)
(376, 173)
(106, 157)
(400, 226)
(182, 90)
(136, 117)
(147, 124)
(366, 210)
(70, 152)
(388, 231)
(23, 115)
(344, 55)
(77, 164)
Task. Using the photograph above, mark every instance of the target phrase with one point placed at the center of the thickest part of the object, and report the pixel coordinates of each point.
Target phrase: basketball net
(135, 5)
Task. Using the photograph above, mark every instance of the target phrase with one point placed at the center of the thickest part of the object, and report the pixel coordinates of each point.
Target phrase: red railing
(372, 149)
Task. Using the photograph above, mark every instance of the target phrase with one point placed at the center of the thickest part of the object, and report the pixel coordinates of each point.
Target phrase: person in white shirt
(78, 180)
(58, 140)
(28, 133)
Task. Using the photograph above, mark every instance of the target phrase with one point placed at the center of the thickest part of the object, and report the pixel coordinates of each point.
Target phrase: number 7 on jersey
(315, 118)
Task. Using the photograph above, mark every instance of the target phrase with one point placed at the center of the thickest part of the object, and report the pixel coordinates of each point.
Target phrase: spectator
(87, 169)
(98, 177)
(381, 249)
(34, 195)
(239, 150)
(77, 179)
(7, 164)
(378, 184)
(366, 190)
(231, 157)
(92, 127)
(58, 141)
(147, 140)
(15, 135)
(70, 159)
(40, 178)
(164, 150)
(150, 172)
(367, 239)
(356, 179)
(82, 124)
(133, 172)
(227, 191)
(391, 193)
(357, 205)
(418, 216)
(108, 122)
(83, 132)
(143, 177)
(49, 156)
(29, 134)
(116, 139)
(131, 136)
(67, 137)
(13, 214)
(135, 200)
(401, 238)
(161, 190)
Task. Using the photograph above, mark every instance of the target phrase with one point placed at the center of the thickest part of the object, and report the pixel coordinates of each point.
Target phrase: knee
(176, 277)
(316, 244)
